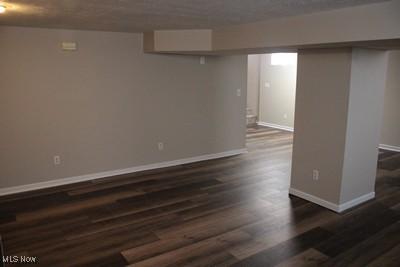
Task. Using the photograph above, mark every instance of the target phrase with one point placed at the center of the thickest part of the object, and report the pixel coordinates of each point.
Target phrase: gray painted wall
(107, 105)
(390, 134)
(253, 82)
(320, 124)
(365, 109)
(277, 92)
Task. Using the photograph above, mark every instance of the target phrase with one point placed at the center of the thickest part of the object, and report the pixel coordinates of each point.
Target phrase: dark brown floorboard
(233, 211)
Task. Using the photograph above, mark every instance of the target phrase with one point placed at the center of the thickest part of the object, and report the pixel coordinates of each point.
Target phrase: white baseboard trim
(277, 126)
(329, 205)
(314, 199)
(93, 176)
(357, 201)
(390, 148)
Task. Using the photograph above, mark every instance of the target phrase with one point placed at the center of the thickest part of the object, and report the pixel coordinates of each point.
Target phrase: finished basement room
(199, 133)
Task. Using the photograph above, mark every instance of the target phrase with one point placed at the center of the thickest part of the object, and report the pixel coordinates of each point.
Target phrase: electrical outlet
(315, 175)
(239, 92)
(285, 116)
(57, 160)
(160, 146)
(202, 60)
(267, 85)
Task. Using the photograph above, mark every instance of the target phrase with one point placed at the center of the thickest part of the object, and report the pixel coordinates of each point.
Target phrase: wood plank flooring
(226, 212)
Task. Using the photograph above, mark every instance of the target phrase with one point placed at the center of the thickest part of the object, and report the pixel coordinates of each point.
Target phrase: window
(283, 59)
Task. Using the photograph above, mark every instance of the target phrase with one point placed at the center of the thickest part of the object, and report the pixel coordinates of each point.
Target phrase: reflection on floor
(232, 211)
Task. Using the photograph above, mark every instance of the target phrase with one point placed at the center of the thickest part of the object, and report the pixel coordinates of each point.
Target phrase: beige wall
(105, 106)
(253, 82)
(378, 21)
(390, 134)
(277, 92)
(320, 123)
(367, 25)
(365, 109)
(228, 113)
(181, 40)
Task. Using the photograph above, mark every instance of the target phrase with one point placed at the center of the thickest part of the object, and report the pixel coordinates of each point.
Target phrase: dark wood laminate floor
(227, 212)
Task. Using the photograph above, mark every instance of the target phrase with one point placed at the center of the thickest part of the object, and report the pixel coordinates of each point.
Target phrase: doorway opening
(271, 90)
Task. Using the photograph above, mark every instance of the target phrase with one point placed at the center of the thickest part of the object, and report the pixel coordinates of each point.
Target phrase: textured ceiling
(143, 15)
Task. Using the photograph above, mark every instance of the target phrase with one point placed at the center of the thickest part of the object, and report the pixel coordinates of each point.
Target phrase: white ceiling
(143, 15)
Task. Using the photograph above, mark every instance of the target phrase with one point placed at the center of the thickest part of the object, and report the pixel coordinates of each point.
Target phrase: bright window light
(283, 59)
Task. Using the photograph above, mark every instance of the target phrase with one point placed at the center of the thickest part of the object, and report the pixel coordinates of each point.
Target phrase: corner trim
(93, 176)
(277, 126)
(390, 148)
(329, 205)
